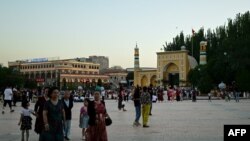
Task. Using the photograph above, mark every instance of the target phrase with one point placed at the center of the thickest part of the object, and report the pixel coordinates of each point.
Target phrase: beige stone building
(172, 69)
(116, 75)
(52, 72)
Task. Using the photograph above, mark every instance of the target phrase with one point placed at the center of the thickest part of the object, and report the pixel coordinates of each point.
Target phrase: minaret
(136, 59)
(203, 54)
(136, 65)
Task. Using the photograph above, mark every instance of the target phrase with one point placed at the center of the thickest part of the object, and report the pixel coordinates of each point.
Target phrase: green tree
(10, 77)
(228, 52)
(242, 80)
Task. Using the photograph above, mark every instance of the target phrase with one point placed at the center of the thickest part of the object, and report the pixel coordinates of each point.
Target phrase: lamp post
(226, 67)
(225, 53)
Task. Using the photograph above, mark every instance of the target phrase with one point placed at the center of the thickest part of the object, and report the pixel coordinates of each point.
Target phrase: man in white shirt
(8, 94)
(68, 105)
(103, 93)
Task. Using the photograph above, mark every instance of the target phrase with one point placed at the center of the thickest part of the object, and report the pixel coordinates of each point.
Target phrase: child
(25, 120)
(84, 118)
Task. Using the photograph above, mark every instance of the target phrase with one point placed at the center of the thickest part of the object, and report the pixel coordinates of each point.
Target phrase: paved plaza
(171, 121)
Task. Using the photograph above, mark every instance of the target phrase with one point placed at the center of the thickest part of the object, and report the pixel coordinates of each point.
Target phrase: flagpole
(192, 42)
(193, 45)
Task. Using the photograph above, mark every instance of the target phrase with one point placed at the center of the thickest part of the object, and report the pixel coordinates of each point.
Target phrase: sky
(81, 28)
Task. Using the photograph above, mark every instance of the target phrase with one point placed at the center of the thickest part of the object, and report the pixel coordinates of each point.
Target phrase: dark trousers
(14, 100)
(7, 102)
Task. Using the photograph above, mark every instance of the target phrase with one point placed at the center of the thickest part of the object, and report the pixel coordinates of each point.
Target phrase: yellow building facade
(52, 72)
(172, 69)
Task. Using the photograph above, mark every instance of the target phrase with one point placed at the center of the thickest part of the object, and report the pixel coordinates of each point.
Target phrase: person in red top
(97, 125)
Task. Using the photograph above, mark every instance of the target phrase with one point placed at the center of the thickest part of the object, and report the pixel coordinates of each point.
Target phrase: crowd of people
(54, 113)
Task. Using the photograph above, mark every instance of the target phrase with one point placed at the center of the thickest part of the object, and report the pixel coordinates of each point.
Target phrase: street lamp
(225, 53)
(227, 67)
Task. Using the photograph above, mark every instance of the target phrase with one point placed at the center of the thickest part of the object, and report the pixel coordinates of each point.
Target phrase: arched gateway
(172, 69)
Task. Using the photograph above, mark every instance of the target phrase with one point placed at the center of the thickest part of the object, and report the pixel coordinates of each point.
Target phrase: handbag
(108, 121)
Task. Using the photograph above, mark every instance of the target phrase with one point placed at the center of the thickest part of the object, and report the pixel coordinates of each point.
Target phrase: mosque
(172, 67)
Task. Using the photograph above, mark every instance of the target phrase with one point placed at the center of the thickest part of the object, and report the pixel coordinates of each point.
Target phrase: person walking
(236, 92)
(194, 94)
(137, 104)
(67, 105)
(150, 91)
(53, 117)
(84, 118)
(178, 94)
(121, 103)
(103, 93)
(31, 95)
(97, 114)
(209, 96)
(25, 119)
(160, 95)
(145, 101)
(14, 98)
(8, 94)
(39, 125)
(99, 88)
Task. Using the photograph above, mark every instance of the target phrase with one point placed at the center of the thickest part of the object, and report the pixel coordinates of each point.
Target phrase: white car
(78, 99)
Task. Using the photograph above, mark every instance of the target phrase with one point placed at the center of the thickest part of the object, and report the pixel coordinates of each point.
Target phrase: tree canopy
(228, 52)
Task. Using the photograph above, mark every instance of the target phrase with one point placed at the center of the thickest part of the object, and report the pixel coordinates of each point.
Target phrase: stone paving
(171, 121)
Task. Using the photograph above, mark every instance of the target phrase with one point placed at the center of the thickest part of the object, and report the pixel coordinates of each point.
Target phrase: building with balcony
(48, 72)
